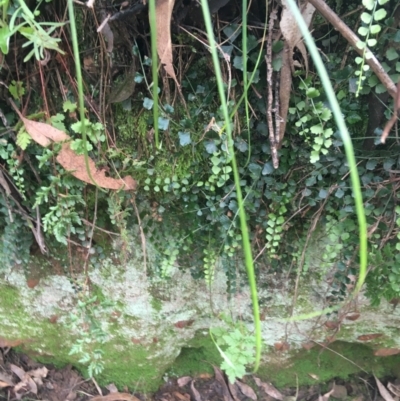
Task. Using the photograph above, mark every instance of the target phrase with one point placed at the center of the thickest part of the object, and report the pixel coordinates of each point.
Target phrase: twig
(353, 39)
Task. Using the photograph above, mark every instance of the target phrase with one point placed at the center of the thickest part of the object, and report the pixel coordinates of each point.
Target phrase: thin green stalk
(79, 81)
(355, 180)
(242, 213)
(154, 66)
(244, 52)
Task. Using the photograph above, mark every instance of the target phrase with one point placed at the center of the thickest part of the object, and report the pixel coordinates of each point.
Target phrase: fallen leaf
(308, 345)
(42, 133)
(182, 397)
(164, 44)
(282, 346)
(269, 389)
(325, 397)
(182, 381)
(115, 397)
(6, 380)
(18, 371)
(112, 388)
(204, 376)
(45, 134)
(76, 165)
(291, 31)
(196, 394)
(394, 389)
(233, 390)
(183, 323)
(38, 374)
(331, 325)
(220, 378)
(387, 351)
(368, 337)
(382, 390)
(313, 376)
(32, 282)
(246, 390)
(5, 343)
(353, 316)
(339, 391)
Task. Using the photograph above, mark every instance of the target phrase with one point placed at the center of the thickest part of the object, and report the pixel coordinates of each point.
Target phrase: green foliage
(87, 322)
(39, 35)
(370, 28)
(383, 281)
(236, 346)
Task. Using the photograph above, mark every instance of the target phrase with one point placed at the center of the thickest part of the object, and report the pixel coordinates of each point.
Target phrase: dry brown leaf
(282, 346)
(368, 337)
(246, 390)
(18, 371)
(182, 397)
(164, 43)
(196, 394)
(76, 165)
(112, 388)
(269, 389)
(382, 390)
(5, 380)
(332, 325)
(285, 90)
(182, 381)
(220, 378)
(325, 397)
(352, 316)
(44, 134)
(291, 31)
(5, 343)
(233, 391)
(38, 374)
(115, 397)
(394, 389)
(387, 351)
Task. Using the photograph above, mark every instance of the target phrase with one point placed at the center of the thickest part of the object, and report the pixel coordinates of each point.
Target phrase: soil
(21, 378)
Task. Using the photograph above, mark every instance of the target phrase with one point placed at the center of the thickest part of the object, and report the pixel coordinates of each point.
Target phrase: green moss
(344, 360)
(198, 357)
(129, 365)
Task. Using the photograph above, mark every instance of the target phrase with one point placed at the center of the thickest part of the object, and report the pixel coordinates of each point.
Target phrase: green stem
(355, 180)
(154, 66)
(242, 213)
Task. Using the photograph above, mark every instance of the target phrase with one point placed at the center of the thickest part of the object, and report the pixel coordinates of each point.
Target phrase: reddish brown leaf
(246, 390)
(387, 351)
(183, 323)
(282, 346)
(32, 282)
(53, 319)
(182, 397)
(352, 316)
(369, 337)
(269, 389)
(5, 343)
(75, 164)
(332, 325)
(43, 134)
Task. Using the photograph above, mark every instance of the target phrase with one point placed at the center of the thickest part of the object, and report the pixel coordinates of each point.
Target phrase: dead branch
(353, 39)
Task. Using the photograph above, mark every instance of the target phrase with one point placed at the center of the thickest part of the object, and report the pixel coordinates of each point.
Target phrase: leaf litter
(22, 378)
